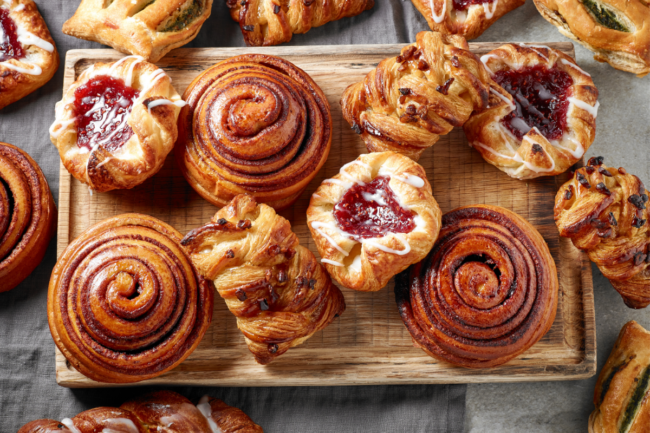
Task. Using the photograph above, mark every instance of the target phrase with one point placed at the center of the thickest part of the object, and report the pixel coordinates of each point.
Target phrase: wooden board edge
(590, 347)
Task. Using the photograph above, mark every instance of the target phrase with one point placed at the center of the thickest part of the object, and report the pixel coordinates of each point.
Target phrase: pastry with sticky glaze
(147, 28)
(117, 123)
(541, 115)
(604, 211)
(373, 219)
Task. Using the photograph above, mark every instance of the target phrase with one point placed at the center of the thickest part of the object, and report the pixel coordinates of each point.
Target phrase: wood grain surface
(368, 344)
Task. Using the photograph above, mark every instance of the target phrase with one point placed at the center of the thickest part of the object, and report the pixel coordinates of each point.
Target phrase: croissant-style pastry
(541, 117)
(161, 411)
(409, 101)
(116, 124)
(125, 303)
(621, 391)
(272, 23)
(486, 292)
(373, 219)
(275, 287)
(604, 212)
(27, 216)
(254, 124)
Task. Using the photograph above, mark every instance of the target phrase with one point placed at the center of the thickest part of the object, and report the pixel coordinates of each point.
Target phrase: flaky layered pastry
(409, 101)
(28, 56)
(116, 124)
(147, 28)
(604, 212)
(621, 394)
(275, 287)
(541, 116)
(272, 23)
(373, 219)
(160, 411)
(617, 31)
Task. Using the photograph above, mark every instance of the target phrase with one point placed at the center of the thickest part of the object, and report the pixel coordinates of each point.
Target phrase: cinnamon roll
(486, 292)
(27, 216)
(254, 124)
(125, 303)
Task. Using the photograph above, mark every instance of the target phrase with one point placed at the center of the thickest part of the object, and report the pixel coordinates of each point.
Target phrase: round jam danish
(541, 117)
(373, 219)
(117, 123)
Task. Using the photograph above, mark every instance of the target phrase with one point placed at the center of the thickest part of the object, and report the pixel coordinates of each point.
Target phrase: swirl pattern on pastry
(274, 286)
(117, 123)
(409, 101)
(125, 303)
(541, 117)
(256, 125)
(373, 220)
(27, 216)
(604, 212)
(486, 292)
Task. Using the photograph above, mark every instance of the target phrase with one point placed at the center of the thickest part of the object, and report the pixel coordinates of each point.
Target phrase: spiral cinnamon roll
(125, 303)
(486, 292)
(27, 216)
(256, 125)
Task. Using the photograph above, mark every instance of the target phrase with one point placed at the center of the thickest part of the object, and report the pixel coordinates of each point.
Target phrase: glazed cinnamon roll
(486, 292)
(27, 216)
(256, 125)
(125, 303)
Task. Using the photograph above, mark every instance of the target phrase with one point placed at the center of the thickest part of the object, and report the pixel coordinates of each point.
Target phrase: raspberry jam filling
(10, 48)
(540, 97)
(371, 210)
(461, 5)
(103, 105)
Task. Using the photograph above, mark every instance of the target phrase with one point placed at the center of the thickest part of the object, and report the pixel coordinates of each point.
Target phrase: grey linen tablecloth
(28, 389)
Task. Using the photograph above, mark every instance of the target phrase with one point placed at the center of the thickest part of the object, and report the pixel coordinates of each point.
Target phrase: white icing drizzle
(62, 124)
(576, 153)
(120, 423)
(574, 66)
(399, 236)
(507, 101)
(27, 38)
(35, 70)
(582, 104)
(484, 60)
(351, 179)
(316, 225)
(533, 46)
(158, 102)
(206, 411)
(377, 197)
(129, 76)
(411, 179)
(516, 158)
(489, 13)
(355, 266)
(19, 8)
(520, 124)
(438, 18)
(332, 262)
(70, 425)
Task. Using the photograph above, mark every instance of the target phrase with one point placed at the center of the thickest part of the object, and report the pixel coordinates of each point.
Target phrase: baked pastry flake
(116, 124)
(274, 286)
(373, 220)
(147, 28)
(542, 113)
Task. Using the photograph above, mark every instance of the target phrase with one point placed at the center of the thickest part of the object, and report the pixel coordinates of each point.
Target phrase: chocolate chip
(249, 28)
(598, 224)
(590, 170)
(637, 201)
(622, 170)
(637, 222)
(230, 254)
(264, 305)
(402, 99)
(444, 89)
(399, 59)
(289, 253)
(282, 277)
(410, 109)
(356, 128)
(422, 65)
(336, 315)
(612, 219)
(606, 233)
(276, 9)
(273, 348)
(583, 180)
(312, 284)
(244, 224)
(644, 197)
(639, 258)
(241, 295)
(405, 91)
(301, 281)
(604, 172)
(537, 148)
(603, 189)
(221, 221)
(596, 161)
(455, 62)
(568, 193)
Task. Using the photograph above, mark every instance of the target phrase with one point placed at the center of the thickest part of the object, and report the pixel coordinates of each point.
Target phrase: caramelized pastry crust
(604, 212)
(373, 219)
(275, 287)
(486, 292)
(409, 101)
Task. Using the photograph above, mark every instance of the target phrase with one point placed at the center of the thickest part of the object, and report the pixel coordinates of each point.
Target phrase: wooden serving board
(368, 344)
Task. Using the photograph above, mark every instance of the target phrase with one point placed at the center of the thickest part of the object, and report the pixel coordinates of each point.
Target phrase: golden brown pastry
(409, 101)
(617, 31)
(274, 22)
(147, 28)
(28, 56)
(161, 411)
(621, 394)
(125, 303)
(275, 287)
(468, 18)
(373, 219)
(117, 123)
(486, 292)
(604, 212)
(542, 113)
(27, 216)
(254, 124)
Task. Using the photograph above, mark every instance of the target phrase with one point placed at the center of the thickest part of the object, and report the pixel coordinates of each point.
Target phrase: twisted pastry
(274, 22)
(486, 292)
(604, 212)
(621, 392)
(161, 411)
(27, 216)
(409, 101)
(541, 117)
(254, 124)
(275, 287)
(125, 303)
